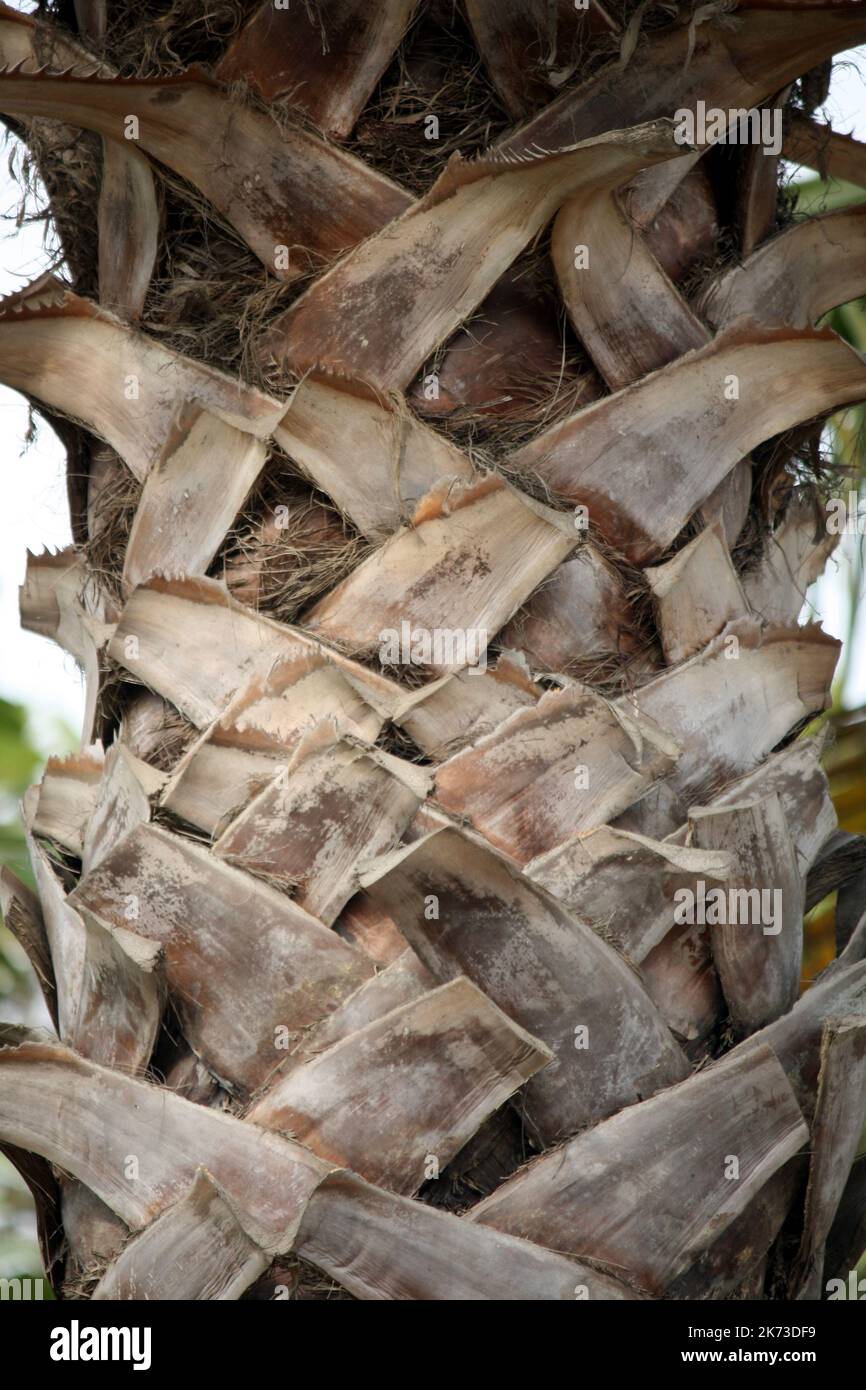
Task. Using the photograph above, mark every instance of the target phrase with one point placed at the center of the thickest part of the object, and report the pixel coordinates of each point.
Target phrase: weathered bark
(436, 588)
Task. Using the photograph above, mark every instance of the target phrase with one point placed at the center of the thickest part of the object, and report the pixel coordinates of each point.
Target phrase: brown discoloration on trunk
(568, 764)
(325, 63)
(680, 978)
(624, 884)
(622, 304)
(371, 455)
(372, 930)
(401, 982)
(492, 551)
(331, 808)
(758, 954)
(491, 368)
(685, 228)
(277, 187)
(581, 616)
(461, 708)
(766, 287)
(543, 967)
(411, 1086)
(530, 47)
(435, 266)
(606, 1194)
(786, 671)
(757, 192)
(198, 647)
(729, 68)
(639, 505)
(242, 963)
(95, 1233)
(126, 387)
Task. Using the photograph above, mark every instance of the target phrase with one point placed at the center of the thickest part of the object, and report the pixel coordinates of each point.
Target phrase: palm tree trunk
(442, 398)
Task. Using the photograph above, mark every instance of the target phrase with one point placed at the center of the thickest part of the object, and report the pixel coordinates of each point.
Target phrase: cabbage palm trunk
(422, 916)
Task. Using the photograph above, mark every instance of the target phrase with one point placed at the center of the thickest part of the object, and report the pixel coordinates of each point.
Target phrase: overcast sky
(33, 510)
